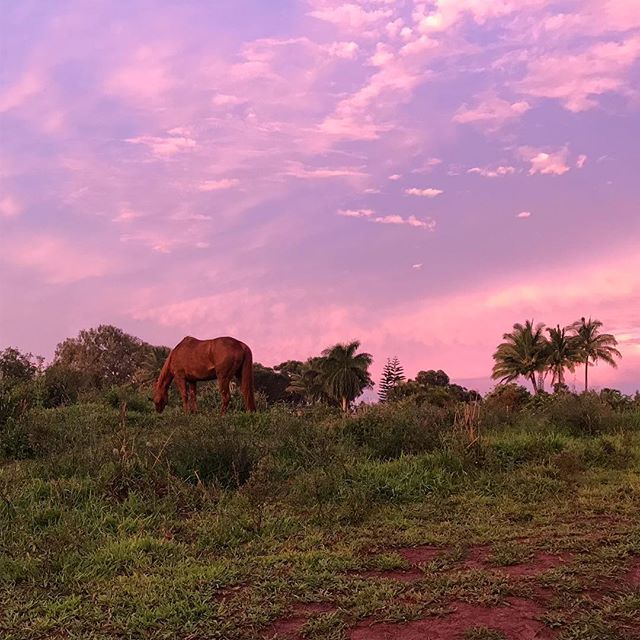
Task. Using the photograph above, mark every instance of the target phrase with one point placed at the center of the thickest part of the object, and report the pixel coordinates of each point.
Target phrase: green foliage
(392, 376)
(108, 356)
(391, 430)
(432, 387)
(345, 373)
(17, 367)
(139, 525)
(523, 353)
(593, 345)
(128, 397)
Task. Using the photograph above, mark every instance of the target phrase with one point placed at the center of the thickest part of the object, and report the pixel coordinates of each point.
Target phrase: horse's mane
(165, 377)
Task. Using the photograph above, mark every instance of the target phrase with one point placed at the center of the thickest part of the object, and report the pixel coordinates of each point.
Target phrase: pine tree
(392, 376)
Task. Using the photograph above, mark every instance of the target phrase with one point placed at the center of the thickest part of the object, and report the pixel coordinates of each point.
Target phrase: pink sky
(417, 175)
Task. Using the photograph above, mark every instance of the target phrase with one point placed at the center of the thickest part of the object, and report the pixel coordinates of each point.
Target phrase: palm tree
(151, 364)
(562, 353)
(593, 345)
(346, 373)
(523, 353)
(308, 382)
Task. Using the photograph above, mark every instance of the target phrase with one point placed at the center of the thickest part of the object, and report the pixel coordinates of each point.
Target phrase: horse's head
(160, 399)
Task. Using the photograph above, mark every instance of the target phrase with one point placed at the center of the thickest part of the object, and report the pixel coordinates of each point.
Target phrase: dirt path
(514, 618)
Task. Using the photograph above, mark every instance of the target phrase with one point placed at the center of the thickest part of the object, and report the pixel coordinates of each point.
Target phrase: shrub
(584, 414)
(390, 430)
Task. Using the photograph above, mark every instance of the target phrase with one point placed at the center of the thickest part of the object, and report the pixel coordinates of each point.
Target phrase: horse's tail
(246, 380)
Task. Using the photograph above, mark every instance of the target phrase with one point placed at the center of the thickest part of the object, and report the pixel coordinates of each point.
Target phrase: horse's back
(221, 345)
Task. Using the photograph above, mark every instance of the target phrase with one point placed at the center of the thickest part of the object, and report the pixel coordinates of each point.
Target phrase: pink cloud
(524, 214)
(547, 163)
(298, 170)
(424, 193)
(144, 77)
(218, 185)
(498, 172)
(429, 224)
(577, 79)
(491, 111)
(351, 17)
(164, 146)
(15, 95)
(355, 213)
(9, 207)
(57, 260)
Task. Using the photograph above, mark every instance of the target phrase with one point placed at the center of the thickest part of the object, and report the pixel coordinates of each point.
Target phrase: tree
(18, 367)
(392, 376)
(307, 382)
(151, 362)
(523, 353)
(272, 383)
(433, 378)
(106, 355)
(562, 353)
(432, 387)
(593, 345)
(345, 373)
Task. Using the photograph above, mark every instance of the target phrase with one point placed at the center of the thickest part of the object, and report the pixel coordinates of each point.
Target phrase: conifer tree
(392, 376)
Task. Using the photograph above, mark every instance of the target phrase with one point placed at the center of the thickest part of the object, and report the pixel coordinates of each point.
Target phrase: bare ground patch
(517, 620)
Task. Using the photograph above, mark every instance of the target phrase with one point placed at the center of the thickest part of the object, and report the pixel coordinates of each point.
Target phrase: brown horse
(193, 360)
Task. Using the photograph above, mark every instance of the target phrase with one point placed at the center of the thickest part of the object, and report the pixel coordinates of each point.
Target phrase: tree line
(105, 357)
(528, 353)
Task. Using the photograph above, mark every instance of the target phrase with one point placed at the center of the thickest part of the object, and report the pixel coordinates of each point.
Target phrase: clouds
(428, 224)
(429, 192)
(547, 162)
(9, 207)
(577, 80)
(166, 146)
(491, 112)
(218, 185)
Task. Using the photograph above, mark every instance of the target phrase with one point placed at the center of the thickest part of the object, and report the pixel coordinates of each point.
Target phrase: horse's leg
(181, 383)
(193, 404)
(223, 385)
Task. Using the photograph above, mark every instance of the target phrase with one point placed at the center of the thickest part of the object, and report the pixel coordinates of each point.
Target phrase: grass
(145, 526)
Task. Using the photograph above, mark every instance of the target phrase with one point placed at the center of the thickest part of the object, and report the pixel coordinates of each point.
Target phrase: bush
(118, 395)
(584, 414)
(390, 430)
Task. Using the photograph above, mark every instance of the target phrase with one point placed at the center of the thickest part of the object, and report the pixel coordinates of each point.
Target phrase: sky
(295, 173)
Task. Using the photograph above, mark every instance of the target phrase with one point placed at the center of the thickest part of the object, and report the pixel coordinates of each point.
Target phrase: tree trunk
(586, 374)
(345, 404)
(534, 383)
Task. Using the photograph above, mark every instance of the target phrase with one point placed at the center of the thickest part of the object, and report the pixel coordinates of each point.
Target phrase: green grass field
(390, 524)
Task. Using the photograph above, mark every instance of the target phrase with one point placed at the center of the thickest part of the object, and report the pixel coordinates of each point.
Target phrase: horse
(193, 360)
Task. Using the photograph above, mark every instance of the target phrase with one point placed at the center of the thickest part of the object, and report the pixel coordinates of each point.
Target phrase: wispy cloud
(497, 172)
(218, 185)
(9, 207)
(491, 111)
(355, 213)
(428, 223)
(164, 146)
(546, 162)
(424, 193)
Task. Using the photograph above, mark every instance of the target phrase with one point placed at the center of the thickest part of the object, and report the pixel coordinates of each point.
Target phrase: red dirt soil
(289, 627)
(517, 621)
(633, 574)
(478, 558)
(419, 555)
